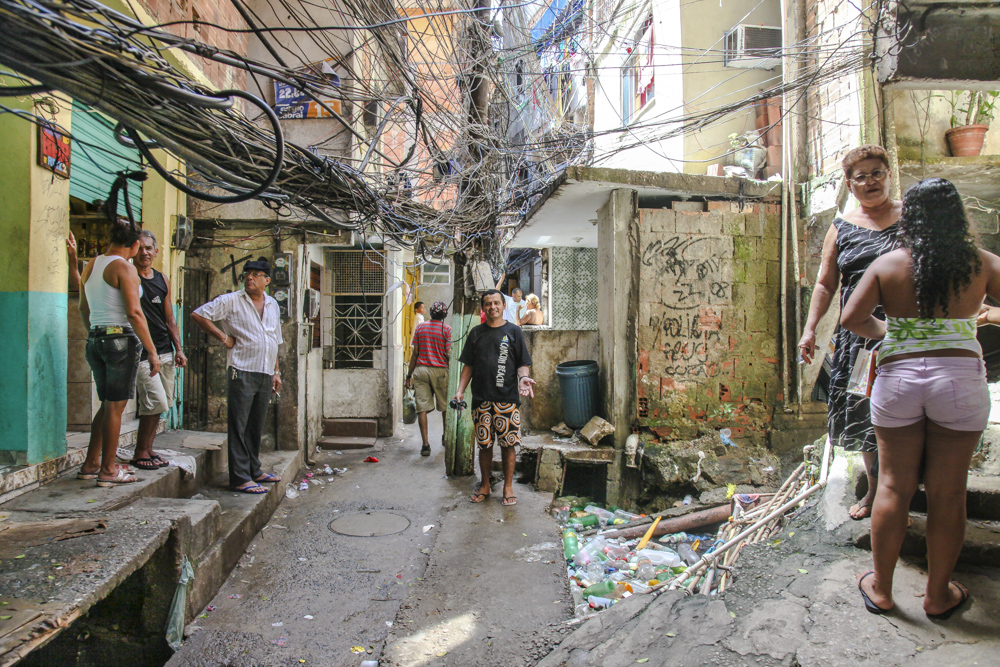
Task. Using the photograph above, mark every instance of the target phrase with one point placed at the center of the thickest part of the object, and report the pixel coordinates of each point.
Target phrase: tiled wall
(574, 288)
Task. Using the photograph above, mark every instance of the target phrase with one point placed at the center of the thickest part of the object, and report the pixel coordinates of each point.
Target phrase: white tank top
(107, 307)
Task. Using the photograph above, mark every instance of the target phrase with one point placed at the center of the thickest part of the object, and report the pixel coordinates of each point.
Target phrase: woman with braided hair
(929, 404)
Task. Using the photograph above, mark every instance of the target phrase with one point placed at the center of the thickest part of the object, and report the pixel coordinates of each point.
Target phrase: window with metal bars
(355, 324)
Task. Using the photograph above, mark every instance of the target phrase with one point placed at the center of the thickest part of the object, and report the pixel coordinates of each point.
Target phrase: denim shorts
(949, 391)
(114, 360)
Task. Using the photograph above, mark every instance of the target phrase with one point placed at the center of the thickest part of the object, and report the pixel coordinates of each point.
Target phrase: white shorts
(155, 395)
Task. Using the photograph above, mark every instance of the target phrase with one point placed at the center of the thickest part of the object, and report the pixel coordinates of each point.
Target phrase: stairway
(348, 433)
(129, 564)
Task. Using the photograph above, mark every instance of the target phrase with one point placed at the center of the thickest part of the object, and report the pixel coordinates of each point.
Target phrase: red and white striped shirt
(433, 341)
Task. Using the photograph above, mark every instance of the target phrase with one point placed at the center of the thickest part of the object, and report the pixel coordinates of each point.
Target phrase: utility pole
(459, 431)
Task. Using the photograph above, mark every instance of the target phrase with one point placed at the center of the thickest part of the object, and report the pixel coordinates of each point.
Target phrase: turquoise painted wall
(33, 373)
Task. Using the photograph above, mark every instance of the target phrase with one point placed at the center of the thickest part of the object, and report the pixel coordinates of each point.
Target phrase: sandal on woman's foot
(869, 605)
(119, 479)
(864, 510)
(159, 461)
(268, 478)
(144, 464)
(478, 497)
(946, 614)
(508, 501)
(86, 475)
(425, 450)
(251, 487)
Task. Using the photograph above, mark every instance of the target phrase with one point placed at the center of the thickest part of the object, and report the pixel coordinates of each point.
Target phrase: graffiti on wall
(694, 274)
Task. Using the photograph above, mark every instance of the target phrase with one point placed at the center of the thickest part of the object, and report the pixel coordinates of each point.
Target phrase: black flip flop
(144, 464)
(425, 451)
(160, 461)
(945, 615)
(869, 605)
(482, 497)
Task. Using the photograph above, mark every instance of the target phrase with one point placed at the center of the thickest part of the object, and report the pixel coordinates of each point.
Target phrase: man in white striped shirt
(248, 322)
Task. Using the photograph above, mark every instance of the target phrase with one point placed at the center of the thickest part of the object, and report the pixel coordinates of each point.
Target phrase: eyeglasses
(875, 177)
(256, 274)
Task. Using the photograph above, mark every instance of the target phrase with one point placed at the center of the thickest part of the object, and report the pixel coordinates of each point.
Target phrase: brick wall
(208, 11)
(834, 116)
(709, 321)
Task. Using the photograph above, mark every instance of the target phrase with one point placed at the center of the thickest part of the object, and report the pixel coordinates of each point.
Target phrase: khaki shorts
(155, 395)
(430, 388)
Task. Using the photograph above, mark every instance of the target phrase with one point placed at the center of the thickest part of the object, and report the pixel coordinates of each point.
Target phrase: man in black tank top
(155, 395)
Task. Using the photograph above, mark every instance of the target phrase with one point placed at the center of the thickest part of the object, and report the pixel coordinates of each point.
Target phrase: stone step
(981, 546)
(351, 427)
(148, 526)
(982, 497)
(346, 442)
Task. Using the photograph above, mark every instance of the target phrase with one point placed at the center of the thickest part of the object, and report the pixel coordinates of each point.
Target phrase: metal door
(196, 349)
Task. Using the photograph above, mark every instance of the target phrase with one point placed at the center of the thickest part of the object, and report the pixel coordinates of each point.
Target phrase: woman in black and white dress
(852, 243)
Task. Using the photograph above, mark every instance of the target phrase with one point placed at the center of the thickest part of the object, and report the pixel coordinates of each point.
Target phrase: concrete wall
(708, 323)
(548, 349)
(923, 116)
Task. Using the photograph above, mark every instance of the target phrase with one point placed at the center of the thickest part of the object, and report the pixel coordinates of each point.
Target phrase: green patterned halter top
(905, 335)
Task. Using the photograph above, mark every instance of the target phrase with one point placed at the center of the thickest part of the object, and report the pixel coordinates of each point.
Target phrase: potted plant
(970, 123)
(748, 152)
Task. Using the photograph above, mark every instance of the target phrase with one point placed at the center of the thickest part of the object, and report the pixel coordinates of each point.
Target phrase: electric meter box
(281, 269)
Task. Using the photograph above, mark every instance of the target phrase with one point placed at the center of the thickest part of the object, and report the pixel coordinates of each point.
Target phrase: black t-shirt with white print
(495, 354)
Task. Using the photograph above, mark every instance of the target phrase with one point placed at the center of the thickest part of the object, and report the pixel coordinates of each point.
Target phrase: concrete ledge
(981, 546)
(242, 516)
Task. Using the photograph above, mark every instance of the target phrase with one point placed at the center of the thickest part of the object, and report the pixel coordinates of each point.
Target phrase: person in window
(852, 243)
(513, 306)
(418, 314)
(930, 403)
(533, 315)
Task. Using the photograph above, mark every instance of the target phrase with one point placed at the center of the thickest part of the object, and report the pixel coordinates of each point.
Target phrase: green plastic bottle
(587, 521)
(570, 544)
(601, 590)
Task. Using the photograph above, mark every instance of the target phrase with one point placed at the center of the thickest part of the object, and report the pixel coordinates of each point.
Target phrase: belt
(109, 331)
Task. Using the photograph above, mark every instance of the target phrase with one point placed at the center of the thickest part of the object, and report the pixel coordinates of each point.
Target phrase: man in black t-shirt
(496, 360)
(155, 395)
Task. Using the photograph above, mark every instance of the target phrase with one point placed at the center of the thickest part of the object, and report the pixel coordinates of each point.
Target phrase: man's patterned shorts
(502, 420)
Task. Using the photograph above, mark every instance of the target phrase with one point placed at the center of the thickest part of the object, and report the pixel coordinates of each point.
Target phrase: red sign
(53, 151)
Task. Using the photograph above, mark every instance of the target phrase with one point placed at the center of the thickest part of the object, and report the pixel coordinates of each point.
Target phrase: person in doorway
(428, 371)
(248, 323)
(513, 307)
(852, 243)
(155, 393)
(419, 311)
(496, 360)
(111, 311)
(930, 403)
(533, 314)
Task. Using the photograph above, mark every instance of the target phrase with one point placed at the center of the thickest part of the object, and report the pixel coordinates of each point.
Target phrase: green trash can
(578, 386)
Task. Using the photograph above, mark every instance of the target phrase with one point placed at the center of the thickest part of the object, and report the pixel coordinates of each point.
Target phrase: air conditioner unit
(311, 304)
(752, 47)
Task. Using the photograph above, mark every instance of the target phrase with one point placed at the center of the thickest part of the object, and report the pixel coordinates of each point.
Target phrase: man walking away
(496, 360)
(248, 322)
(428, 371)
(155, 393)
(111, 311)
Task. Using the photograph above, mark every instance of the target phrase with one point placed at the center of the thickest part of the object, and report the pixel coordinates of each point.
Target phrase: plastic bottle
(597, 602)
(585, 521)
(570, 544)
(600, 589)
(639, 587)
(627, 516)
(616, 551)
(621, 589)
(644, 570)
(689, 555)
(581, 610)
(666, 557)
(602, 515)
(595, 571)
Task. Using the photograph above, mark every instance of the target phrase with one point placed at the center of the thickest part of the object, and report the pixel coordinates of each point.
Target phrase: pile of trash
(312, 478)
(611, 554)
(604, 569)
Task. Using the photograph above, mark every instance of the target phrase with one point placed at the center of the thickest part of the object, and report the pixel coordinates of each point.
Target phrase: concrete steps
(982, 532)
(348, 433)
(145, 530)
